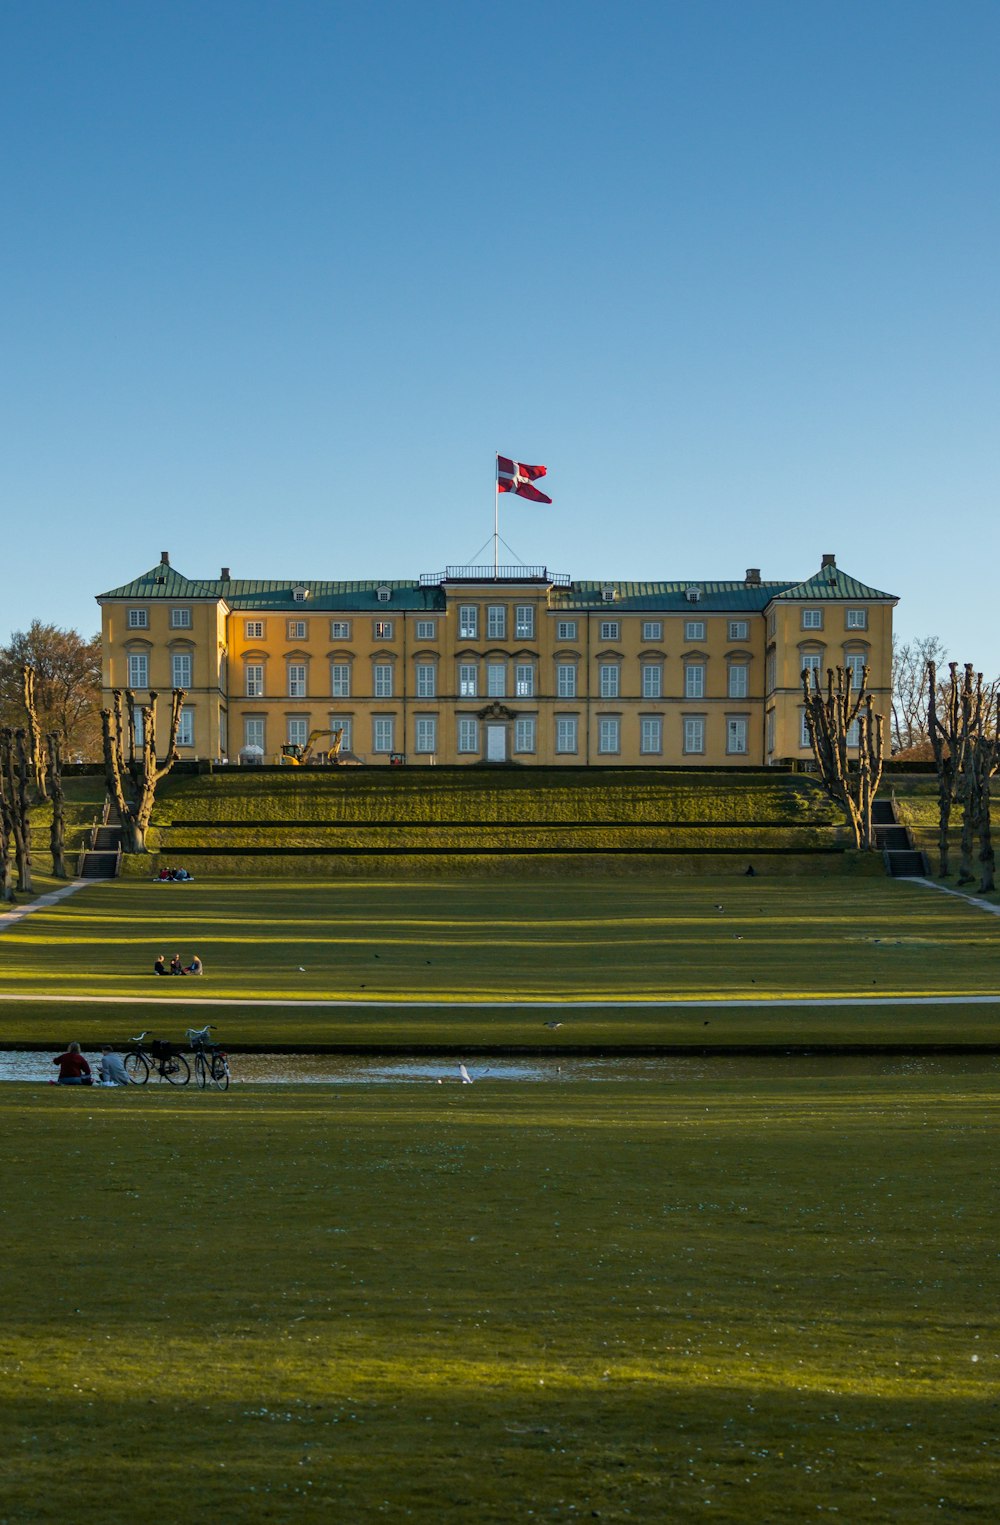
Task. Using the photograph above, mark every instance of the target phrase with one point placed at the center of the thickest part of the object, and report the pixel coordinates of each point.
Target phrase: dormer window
(608, 593)
(693, 595)
(384, 594)
(300, 594)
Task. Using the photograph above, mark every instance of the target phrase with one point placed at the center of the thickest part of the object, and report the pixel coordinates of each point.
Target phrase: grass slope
(748, 1300)
(608, 942)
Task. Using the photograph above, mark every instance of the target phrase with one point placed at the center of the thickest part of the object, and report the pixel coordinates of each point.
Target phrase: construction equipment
(296, 755)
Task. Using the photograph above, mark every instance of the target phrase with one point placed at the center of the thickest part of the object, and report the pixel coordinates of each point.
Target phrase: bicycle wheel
(136, 1069)
(176, 1070)
(220, 1072)
(201, 1069)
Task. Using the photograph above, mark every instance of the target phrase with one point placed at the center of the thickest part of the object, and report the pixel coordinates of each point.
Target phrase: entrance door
(496, 743)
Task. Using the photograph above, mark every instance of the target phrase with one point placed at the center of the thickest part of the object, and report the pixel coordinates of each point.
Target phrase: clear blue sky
(281, 276)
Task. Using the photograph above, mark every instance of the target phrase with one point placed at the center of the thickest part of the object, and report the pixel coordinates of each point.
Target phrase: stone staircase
(902, 860)
(102, 859)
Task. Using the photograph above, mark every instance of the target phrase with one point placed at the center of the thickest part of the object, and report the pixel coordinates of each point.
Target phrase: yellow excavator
(295, 755)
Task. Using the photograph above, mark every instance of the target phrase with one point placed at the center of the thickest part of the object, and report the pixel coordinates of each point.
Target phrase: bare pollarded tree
(53, 779)
(15, 766)
(963, 719)
(830, 714)
(131, 766)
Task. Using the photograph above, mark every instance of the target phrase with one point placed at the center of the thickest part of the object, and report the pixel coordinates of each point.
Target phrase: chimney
(225, 574)
(164, 558)
(753, 577)
(829, 560)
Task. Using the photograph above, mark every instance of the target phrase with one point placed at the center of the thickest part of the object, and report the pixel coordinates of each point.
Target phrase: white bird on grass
(466, 1077)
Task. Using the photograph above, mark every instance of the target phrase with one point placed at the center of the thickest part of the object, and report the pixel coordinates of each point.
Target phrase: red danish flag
(514, 476)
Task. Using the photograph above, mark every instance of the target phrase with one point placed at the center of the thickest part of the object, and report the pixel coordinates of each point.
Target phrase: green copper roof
(164, 581)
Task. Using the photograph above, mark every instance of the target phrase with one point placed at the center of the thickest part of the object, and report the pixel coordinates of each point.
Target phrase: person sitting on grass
(159, 967)
(176, 967)
(112, 1070)
(73, 1068)
(195, 966)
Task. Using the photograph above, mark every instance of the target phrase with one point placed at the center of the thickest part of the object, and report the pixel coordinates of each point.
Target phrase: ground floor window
(185, 731)
(609, 733)
(524, 733)
(298, 730)
(382, 734)
(253, 732)
(566, 733)
(694, 733)
(736, 734)
(651, 734)
(343, 723)
(468, 734)
(426, 733)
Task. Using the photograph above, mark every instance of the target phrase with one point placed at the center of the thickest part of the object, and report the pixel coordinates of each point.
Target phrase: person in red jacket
(73, 1068)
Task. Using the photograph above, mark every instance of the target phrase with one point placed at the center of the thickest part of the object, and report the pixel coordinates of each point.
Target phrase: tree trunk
(133, 774)
(34, 733)
(6, 827)
(57, 831)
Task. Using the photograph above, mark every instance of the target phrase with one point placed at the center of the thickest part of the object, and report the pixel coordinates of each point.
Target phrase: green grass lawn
(748, 1300)
(611, 942)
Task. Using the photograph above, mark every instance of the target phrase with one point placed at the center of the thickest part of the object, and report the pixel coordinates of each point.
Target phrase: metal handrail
(483, 573)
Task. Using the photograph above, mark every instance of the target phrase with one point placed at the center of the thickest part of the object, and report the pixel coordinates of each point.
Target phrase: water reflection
(340, 1069)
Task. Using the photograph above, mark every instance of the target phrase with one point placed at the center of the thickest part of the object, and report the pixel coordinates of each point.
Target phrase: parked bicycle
(161, 1057)
(211, 1063)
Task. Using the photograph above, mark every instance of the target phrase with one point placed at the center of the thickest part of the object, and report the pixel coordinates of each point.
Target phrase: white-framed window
(609, 730)
(736, 735)
(812, 619)
(524, 622)
(496, 622)
(770, 731)
(496, 679)
(694, 733)
(296, 680)
(566, 730)
(566, 630)
(138, 619)
(297, 730)
(425, 733)
(566, 680)
(382, 630)
(340, 680)
(854, 661)
(652, 680)
(803, 728)
(343, 723)
(853, 737)
(254, 680)
(812, 663)
(651, 734)
(296, 630)
(180, 619)
(652, 630)
(770, 670)
(340, 630)
(737, 682)
(180, 669)
(426, 681)
(524, 680)
(611, 630)
(468, 680)
(185, 730)
(382, 680)
(426, 630)
(468, 734)
(694, 630)
(772, 622)
(694, 680)
(383, 729)
(253, 630)
(524, 733)
(253, 731)
(856, 619)
(609, 673)
(468, 622)
(138, 669)
(139, 725)
(739, 630)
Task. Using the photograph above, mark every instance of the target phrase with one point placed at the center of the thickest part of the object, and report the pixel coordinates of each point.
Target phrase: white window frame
(253, 630)
(254, 731)
(736, 735)
(137, 669)
(524, 680)
(811, 661)
(298, 680)
(138, 619)
(652, 630)
(611, 630)
(567, 734)
(856, 619)
(738, 680)
(525, 733)
(185, 730)
(382, 630)
(694, 630)
(812, 619)
(468, 622)
(496, 622)
(524, 622)
(652, 680)
(853, 737)
(425, 734)
(297, 730)
(340, 680)
(181, 662)
(804, 729)
(468, 734)
(425, 674)
(340, 630)
(651, 735)
(609, 679)
(253, 680)
(566, 680)
(566, 630)
(343, 723)
(426, 630)
(383, 734)
(739, 630)
(694, 680)
(609, 734)
(297, 630)
(496, 680)
(856, 661)
(694, 735)
(382, 680)
(180, 619)
(468, 681)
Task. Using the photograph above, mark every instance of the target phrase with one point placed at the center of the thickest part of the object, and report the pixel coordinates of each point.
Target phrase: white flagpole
(496, 516)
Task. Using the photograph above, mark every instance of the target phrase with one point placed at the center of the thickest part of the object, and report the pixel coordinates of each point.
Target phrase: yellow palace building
(495, 664)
